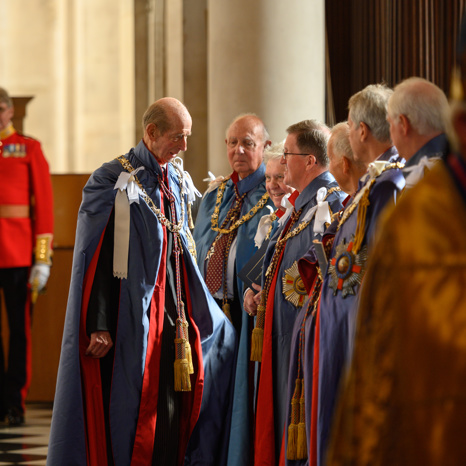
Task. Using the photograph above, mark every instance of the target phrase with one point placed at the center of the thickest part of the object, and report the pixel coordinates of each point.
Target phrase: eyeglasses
(286, 154)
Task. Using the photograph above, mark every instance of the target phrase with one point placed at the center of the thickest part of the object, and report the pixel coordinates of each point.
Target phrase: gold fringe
(302, 437)
(291, 448)
(182, 379)
(301, 444)
(292, 445)
(257, 341)
(361, 222)
(226, 310)
(189, 357)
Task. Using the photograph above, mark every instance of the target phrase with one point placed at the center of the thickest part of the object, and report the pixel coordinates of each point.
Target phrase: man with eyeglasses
(226, 224)
(316, 198)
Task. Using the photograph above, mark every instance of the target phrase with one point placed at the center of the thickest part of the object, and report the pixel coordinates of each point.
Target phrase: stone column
(266, 57)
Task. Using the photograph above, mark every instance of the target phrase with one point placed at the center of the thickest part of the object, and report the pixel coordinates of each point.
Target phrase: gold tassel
(189, 357)
(226, 310)
(361, 222)
(257, 341)
(302, 438)
(291, 448)
(182, 379)
(292, 445)
(190, 217)
(257, 338)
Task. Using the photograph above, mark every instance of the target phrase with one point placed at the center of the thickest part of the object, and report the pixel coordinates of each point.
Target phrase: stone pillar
(195, 87)
(266, 57)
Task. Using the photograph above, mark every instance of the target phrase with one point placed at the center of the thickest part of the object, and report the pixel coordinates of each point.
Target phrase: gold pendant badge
(347, 268)
(293, 286)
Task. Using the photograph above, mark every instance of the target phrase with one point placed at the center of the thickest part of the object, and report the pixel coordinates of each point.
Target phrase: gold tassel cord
(226, 311)
(190, 217)
(182, 379)
(301, 444)
(183, 366)
(292, 445)
(189, 355)
(257, 339)
(361, 222)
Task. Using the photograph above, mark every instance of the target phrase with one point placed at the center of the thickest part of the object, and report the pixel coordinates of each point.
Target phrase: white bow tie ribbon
(285, 202)
(263, 228)
(322, 212)
(127, 182)
(214, 182)
(376, 168)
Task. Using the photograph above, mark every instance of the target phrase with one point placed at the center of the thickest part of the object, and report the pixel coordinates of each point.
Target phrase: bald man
(225, 228)
(133, 365)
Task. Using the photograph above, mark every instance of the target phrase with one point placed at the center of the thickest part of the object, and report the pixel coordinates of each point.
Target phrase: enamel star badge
(293, 286)
(347, 268)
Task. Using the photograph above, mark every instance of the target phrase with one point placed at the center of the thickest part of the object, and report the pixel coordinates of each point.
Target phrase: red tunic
(26, 200)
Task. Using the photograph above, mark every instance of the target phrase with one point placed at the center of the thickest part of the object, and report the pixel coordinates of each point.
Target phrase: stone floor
(27, 444)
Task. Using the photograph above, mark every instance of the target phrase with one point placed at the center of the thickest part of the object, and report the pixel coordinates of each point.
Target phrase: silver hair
(370, 107)
(274, 151)
(339, 140)
(422, 102)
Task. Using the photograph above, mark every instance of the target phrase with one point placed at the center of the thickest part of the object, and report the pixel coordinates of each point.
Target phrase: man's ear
(311, 161)
(364, 131)
(152, 131)
(346, 165)
(404, 124)
(267, 143)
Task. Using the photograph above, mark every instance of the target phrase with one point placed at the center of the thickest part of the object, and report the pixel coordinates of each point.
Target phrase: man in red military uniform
(26, 229)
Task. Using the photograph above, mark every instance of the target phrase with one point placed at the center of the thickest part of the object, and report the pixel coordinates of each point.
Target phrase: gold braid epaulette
(347, 213)
(174, 228)
(214, 220)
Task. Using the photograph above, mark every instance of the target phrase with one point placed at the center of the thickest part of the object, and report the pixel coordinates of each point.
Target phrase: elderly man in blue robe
(226, 225)
(147, 358)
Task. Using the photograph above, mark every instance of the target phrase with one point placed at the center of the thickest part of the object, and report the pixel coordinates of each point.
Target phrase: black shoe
(15, 417)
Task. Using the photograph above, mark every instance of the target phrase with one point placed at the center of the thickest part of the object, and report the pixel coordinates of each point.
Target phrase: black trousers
(15, 378)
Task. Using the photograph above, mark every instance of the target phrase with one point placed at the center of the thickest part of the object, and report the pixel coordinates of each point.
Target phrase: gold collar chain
(370, 183)
(273, 217)
(174, 228)
(241, 220)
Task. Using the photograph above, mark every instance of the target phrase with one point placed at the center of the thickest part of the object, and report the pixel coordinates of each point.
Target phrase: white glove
(39, 275)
